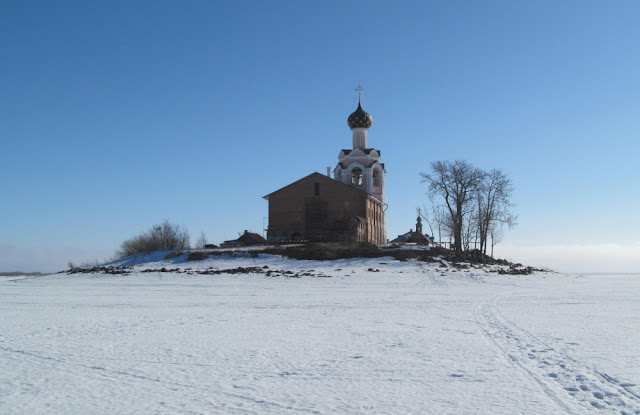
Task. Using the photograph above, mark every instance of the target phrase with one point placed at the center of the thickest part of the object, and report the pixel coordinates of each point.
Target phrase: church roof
(402, 238)
(359, 118)
(419, 238)
(321, 177)
(411, 237)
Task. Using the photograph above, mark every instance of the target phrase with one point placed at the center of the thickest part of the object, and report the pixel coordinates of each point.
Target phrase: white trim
(355, 164)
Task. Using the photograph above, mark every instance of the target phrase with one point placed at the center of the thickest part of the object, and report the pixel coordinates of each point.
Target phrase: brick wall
(320, 208)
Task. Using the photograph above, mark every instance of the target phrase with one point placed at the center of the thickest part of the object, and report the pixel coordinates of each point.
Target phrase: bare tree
(164, 236)
(469, 232)
(494, 205)
(424, 214)
(456, 184)
(202, 240)
(496, 237)
(442, 222)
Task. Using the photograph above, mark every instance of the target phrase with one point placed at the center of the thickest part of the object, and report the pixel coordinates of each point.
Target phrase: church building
(348, 207)
(417, 237)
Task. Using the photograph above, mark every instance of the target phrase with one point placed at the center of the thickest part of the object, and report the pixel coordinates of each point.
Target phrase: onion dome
(360, 118)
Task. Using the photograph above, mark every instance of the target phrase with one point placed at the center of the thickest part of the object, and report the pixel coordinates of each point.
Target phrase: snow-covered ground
(412, 337)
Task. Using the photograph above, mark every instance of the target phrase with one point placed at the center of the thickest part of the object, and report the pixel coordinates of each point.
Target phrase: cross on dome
(359, 118)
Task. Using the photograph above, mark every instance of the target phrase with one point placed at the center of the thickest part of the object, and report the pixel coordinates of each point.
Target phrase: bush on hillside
(197, 256)
(164, 236)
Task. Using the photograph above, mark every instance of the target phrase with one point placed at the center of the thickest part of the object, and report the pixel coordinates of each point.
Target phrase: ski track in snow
(559, 375)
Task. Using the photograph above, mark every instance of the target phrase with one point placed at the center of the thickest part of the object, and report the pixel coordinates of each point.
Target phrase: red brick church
(348, 207)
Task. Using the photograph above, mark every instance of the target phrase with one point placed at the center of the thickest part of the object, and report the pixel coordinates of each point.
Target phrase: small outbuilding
(246, 239)
(414, 237)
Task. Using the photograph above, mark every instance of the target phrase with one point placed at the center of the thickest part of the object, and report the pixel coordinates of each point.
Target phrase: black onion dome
(359, 119)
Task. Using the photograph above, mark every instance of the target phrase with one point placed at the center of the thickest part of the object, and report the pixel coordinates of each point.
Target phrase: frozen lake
(411, 338)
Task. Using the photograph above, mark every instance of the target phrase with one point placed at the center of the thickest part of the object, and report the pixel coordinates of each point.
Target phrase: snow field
(411, 338)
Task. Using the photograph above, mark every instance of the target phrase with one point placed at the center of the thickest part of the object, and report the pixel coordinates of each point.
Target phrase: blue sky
(117, 115)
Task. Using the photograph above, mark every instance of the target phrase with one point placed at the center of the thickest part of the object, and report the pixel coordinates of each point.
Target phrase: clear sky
(115, 115)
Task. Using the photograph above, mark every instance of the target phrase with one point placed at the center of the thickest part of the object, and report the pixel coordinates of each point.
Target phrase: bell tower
(360, 166)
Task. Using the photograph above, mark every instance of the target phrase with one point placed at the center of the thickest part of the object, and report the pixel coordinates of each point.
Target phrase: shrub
(197, 256)
(164, 236)
(173, 254)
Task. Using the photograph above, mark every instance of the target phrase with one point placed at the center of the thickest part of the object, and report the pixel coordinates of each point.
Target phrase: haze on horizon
(115, 116)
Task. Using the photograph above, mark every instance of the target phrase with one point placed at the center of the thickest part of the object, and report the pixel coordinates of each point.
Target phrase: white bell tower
(360, 166)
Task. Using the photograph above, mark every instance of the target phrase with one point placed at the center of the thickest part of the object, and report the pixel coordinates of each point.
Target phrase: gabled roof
(402, 238)
(248, 238)
(317, 177)
(418, 237)
(411, 236)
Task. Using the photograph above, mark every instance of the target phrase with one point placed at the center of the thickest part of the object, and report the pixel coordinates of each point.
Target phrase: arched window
(356, 176)
(376, 177)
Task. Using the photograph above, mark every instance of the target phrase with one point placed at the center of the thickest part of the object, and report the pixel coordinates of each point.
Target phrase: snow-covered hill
(266, 334)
